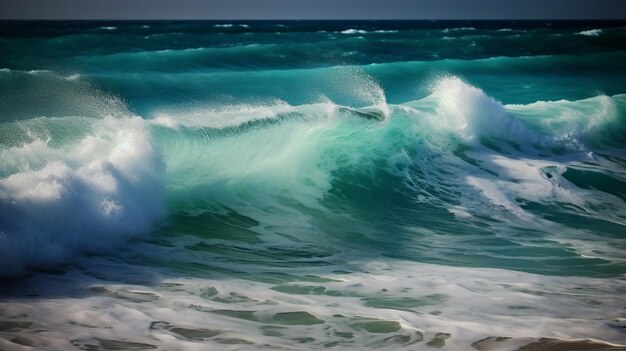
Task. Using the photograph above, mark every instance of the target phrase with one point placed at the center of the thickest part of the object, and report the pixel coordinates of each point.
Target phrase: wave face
(281, 179)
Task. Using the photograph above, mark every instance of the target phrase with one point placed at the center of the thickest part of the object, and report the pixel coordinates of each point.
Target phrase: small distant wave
(362, 31)
(353, 31)
(230, 25)
(446, 30)
(591, 32)
(41, 72)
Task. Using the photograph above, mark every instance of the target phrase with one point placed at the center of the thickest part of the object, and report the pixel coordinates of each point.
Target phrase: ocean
(308, 185)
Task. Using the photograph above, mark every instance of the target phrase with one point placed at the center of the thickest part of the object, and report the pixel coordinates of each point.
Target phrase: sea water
(303, 185)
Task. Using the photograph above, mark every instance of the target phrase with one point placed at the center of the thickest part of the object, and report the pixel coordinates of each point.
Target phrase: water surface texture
(303, 185)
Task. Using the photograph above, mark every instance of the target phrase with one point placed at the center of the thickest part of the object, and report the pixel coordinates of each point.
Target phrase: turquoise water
(310, 185)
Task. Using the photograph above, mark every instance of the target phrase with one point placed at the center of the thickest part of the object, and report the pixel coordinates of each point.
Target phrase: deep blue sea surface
(303, 185)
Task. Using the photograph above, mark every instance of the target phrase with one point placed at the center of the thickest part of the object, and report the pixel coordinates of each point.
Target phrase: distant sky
(313, 9)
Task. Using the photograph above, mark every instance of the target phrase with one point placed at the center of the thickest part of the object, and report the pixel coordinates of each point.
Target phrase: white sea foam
(84, 197)
(394, 305)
